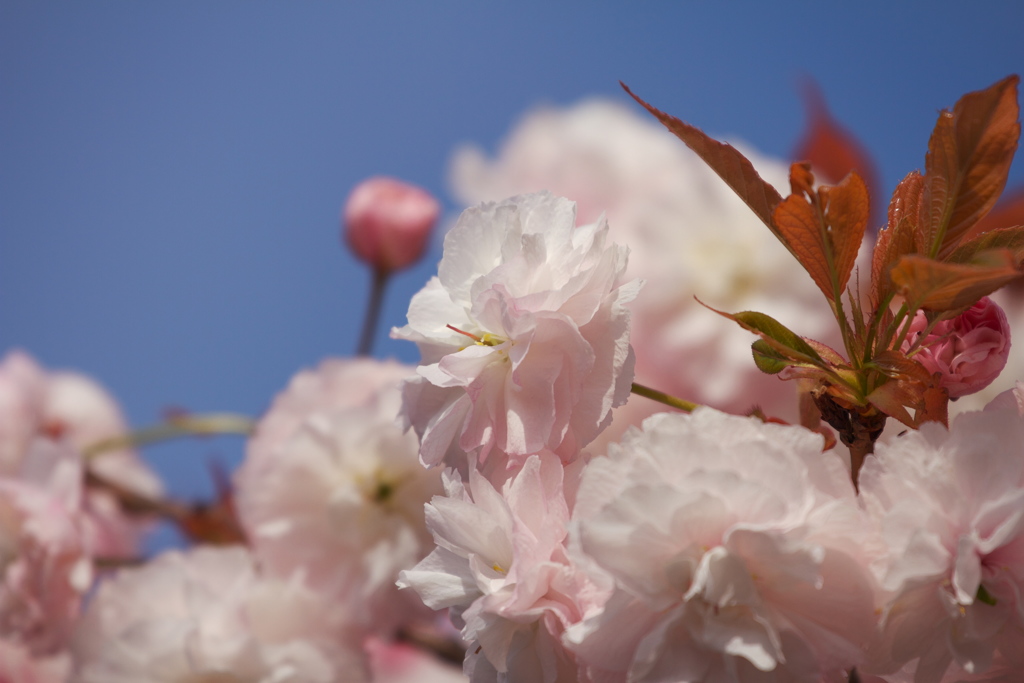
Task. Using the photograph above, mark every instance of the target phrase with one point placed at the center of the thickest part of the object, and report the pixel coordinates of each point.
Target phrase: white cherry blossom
(208, 616)
(71, 408)
(45, 558)
(524, 334)
(331, 486)
(502, 569)
(951, 507)
(18, 665)
(736, 548)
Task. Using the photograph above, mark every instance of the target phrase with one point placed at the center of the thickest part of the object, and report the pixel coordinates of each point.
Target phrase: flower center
(485, 339)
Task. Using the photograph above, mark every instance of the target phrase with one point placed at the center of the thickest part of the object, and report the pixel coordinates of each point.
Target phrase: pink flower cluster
(53, 526)
(490, 484)
(331, 500)
(702, 547)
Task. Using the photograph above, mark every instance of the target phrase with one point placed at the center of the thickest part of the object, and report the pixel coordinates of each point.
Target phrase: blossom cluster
(533, 502)
(703, 546)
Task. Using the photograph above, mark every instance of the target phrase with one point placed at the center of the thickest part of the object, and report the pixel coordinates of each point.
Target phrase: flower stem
(212, 424)
(662, 397)
(373, 306)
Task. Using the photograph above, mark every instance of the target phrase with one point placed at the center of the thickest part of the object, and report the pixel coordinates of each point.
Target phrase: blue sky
(171, 173)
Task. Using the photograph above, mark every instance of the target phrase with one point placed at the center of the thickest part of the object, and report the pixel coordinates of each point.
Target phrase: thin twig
(662, 397)
(212, 424)
(373, 306)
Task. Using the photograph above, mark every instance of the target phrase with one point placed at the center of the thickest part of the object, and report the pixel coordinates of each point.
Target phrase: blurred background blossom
(171, 175)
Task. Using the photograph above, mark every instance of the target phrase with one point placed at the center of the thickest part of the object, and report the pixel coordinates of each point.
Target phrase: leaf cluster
(936, 253)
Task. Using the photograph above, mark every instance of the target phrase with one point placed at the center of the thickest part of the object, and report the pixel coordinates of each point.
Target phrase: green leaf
(777, 336)
(767, 359)
(984, 596)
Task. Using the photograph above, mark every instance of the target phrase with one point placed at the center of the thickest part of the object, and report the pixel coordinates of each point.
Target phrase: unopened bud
(387, 222)
(968, 351)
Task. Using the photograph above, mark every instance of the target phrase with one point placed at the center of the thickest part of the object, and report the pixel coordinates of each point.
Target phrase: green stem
(662, 397)
(894, 325)
(883, 306)
(212, 424)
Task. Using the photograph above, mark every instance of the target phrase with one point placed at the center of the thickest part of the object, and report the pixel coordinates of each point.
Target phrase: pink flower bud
(968, 351)
(387, 222)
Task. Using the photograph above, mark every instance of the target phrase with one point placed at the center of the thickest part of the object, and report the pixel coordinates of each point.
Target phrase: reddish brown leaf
(895, 364)
(891, 398)
(801, 180)
(810, 414)
(953, 287)
(830, 148)
(935, 406)
(800, 230)
(968, 159)
(731, 166)
(827, 353)
(216, 522)
(846, 218)
(1008, 211)
(913, 388)
(826, 244)
(897, 239)
(1003, 238)
(936, 198)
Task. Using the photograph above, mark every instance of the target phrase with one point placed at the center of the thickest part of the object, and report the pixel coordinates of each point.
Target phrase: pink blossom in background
(688, 234)
(737, 551)
(951, 508)
(207, 615)
(524, 334)
(335, 386)
(968, 352)
(502, 569)
(401, 663)
(70, 408)
(332, 487)
(45, 560)
(22, 395)
(387, 222)
(17, 665)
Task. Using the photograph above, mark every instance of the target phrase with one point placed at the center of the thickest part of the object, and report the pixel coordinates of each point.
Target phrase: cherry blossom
(401, 663)
(388, 222)
(331, 486)
(17, 665)
(71, 408)
(45, 560)
(737, 551)
(502, 569)
(951, 505)
(207, 615)
(968, 352)
(524, 334)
